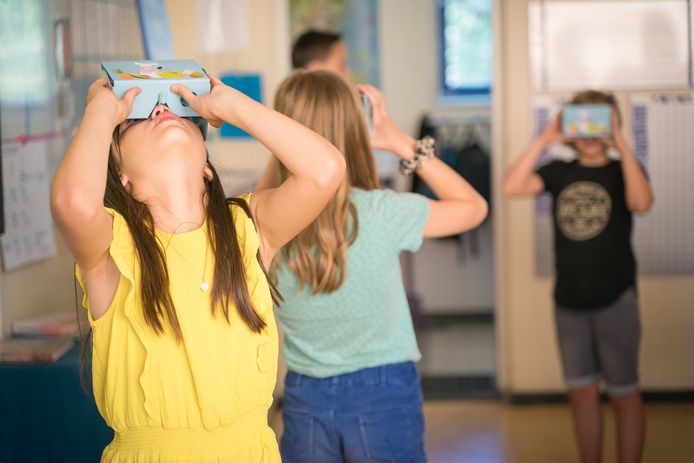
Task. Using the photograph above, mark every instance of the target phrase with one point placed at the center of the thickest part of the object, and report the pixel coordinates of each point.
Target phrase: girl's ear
(207, 172)
(125, 181)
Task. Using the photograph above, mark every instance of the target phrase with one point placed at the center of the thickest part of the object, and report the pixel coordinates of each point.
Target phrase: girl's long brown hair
(229, 285)
(325, 103)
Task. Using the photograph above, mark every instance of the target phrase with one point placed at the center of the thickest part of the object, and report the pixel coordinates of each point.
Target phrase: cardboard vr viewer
(587, 121)
(154, 79)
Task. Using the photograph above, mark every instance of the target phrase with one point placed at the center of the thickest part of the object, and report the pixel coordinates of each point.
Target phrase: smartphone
(587, 121)
(368, 110)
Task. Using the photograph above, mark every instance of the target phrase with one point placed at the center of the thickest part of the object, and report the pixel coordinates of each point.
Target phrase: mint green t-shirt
(366, 322)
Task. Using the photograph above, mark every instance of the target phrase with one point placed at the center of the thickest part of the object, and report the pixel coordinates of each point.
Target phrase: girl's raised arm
(521, 178)
(317, 167)
(77, 193)
(460, 207)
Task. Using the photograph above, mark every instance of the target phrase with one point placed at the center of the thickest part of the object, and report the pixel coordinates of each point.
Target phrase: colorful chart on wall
(659, 128)
(356, 20)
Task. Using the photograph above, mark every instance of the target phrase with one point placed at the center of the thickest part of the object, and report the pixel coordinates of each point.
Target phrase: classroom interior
(481, 301)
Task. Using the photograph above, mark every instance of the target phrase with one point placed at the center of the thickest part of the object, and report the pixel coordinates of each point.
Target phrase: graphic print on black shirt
(592, 233)
(583, 210)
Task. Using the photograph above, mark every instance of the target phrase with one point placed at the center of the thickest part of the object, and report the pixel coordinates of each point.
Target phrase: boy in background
(597, 313)
(320, 50)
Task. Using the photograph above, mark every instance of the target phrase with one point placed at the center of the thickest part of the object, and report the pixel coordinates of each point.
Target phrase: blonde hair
(325, 103)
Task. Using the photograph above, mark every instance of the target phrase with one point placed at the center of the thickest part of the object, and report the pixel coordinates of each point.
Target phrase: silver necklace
(204, 285)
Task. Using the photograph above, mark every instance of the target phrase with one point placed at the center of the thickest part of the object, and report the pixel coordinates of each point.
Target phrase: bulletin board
(653, 84)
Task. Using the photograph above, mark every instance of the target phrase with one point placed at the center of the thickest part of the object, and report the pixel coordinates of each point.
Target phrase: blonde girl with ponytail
(352, 392)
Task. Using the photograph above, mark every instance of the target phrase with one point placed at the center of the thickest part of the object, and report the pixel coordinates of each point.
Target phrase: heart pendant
(204, 286)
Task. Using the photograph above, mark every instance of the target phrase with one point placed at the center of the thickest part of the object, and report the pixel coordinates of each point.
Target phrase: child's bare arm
(521, 178)
(460, 207)
(77, 192)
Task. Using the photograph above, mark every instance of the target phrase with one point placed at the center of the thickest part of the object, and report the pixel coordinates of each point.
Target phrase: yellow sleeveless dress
(204, 399)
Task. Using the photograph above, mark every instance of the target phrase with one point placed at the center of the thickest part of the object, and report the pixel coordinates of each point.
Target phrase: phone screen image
(368, 110)
(587, 121)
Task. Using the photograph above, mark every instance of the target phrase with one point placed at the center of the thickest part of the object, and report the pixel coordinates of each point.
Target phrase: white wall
(38, 288)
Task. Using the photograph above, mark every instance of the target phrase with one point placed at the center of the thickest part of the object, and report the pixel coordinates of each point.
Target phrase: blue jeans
(371, 415)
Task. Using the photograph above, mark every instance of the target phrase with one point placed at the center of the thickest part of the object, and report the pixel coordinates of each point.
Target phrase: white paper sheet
(224, 24)
(29, 232)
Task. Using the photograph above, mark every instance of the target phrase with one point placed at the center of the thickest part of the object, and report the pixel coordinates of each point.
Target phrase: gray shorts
(601, 343)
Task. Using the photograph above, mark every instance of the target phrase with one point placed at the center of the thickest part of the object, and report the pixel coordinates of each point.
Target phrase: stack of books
(45, 350)
(57, 324)
(42, 339)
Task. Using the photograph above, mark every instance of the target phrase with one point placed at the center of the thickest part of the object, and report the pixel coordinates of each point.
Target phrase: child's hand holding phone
(385, 134)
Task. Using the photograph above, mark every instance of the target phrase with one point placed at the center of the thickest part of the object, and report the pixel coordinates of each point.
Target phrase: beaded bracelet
(424, 150)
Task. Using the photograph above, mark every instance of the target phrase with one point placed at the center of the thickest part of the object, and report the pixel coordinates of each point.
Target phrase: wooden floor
(493, 432)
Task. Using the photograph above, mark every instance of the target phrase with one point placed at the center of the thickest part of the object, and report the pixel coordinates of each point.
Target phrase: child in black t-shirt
(597, 319)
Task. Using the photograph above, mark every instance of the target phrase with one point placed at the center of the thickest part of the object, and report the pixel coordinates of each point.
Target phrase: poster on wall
(356, 20)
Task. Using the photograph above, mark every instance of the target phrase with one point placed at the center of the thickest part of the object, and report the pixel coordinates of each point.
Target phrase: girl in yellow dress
(185, 345)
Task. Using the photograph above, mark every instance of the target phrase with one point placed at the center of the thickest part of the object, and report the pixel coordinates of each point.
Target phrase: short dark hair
(313, 45)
